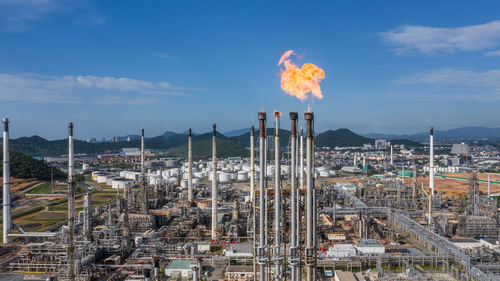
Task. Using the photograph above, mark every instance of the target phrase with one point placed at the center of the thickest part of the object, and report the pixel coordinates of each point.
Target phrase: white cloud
(20, 15)
(456, 77)
(84, 89)
(492, 53)
(429, 40)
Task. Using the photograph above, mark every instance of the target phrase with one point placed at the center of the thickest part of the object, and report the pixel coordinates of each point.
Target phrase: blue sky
(113, 67)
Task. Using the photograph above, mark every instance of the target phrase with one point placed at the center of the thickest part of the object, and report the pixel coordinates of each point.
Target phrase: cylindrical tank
(242, 176)
(224, 177)
(184, 184)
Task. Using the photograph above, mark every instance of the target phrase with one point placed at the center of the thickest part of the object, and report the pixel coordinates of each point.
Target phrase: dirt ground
(456, 187)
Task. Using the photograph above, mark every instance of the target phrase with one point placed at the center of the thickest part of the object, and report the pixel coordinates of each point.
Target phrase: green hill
(203, 149)
(407, 143)
(244, 139)
(341, 138)
(23, 166)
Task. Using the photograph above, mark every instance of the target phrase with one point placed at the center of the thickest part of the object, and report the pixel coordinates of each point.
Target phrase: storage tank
(173, 180)
(196, 182)
(224, 177)
(184, 184)
(86, 167)
(102, 179)
(242, 176)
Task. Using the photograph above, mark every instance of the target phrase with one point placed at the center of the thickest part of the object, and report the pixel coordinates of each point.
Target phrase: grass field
(43, 218)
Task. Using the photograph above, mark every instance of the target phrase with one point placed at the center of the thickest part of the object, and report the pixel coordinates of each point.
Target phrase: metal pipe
(310, 251)
(6, 183)
(293, 202)
(214, 184)
(262, 241)
(277, 197)
(143, 178)
(71, 205)
(190, 170)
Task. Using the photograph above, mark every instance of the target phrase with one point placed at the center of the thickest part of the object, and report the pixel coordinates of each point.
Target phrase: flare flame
(298, 82)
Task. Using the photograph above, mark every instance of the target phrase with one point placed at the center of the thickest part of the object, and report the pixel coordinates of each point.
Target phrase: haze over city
(391, 67)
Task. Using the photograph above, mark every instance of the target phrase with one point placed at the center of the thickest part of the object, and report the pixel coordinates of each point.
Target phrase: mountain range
(458, 133)
(175, 143)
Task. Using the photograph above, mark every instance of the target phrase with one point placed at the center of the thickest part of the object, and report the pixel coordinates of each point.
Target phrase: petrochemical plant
(299, 212)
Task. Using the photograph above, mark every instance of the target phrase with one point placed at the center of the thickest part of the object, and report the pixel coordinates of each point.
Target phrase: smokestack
(310, 249)
(190, 169)
(261, 251)
(293, 202)
(214, 185)
(252, 165)
(301, 187)
(277, 196)
(6, 182)
(252, 195)
(144, 206)
(431, 162)
(71, 205)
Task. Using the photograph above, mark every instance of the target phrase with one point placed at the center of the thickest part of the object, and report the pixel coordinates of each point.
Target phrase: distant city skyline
(391, 67)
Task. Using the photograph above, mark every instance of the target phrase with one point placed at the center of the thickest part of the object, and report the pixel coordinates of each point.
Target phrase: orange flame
(297, 82)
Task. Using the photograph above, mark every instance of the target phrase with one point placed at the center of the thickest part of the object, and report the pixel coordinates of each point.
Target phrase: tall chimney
(214, 185)
(301, 187)
(144, 207)
(252, 165)
(6, 182)
(277, 196)
(261, 252)
(190, 169)
(252, 196)
(431, 162)
(71, 205)
(310, 249)
(293, 202)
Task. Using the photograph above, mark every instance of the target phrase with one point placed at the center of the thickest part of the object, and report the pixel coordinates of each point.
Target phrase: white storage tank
(224, 178)
(195, 182)
(173, 180)
(102, 179)
(86, 167)
(242, 176)
(184, 184)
